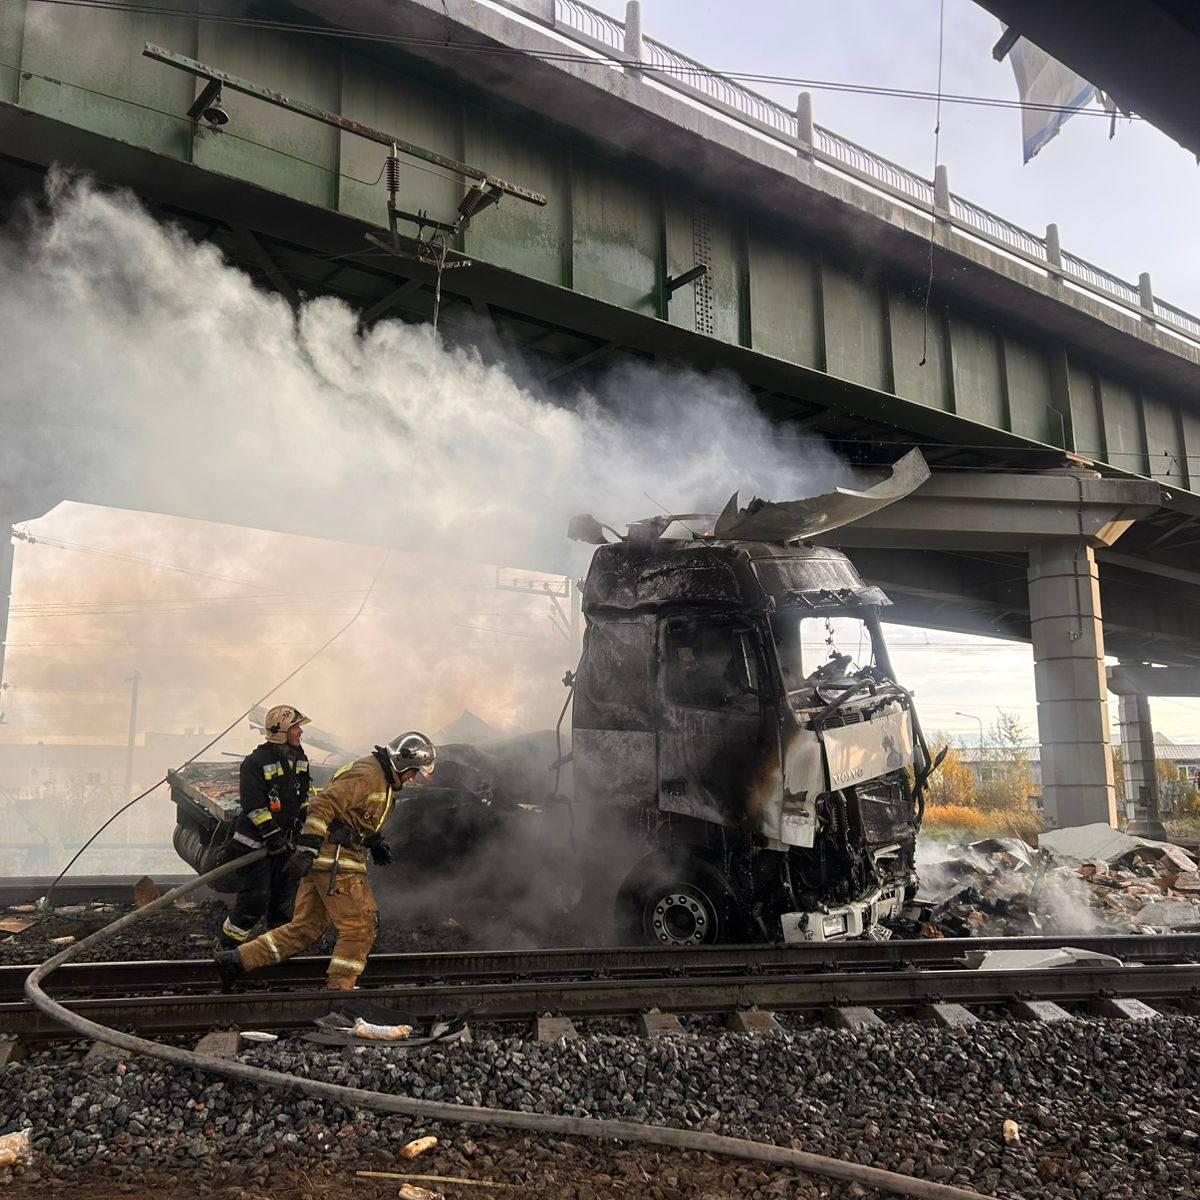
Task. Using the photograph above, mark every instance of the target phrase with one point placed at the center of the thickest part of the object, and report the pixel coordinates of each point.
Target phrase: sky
(1128, 205)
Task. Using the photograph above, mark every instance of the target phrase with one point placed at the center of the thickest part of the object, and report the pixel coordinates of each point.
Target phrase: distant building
(52, 797)
(987, 765)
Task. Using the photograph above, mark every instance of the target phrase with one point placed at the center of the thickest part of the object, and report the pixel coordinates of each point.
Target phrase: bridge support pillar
(1134, 683)
(1072, 692)
(1140, 768)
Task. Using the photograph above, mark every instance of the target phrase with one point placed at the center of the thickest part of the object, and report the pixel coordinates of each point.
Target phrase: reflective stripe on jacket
(273, 788)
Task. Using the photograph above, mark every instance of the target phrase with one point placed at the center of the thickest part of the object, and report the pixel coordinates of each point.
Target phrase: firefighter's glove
(275, 843)
(299, 865)
(381, 852)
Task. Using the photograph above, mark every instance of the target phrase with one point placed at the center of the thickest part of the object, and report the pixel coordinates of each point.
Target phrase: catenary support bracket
(269, 96)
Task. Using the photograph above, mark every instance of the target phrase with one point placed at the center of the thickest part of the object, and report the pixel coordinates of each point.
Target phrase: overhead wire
(937, 146)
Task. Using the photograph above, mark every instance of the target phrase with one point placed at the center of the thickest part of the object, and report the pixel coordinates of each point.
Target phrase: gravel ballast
(1105, 1108)
(191, 929)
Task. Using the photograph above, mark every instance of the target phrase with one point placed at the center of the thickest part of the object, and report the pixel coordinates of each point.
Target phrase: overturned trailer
(761, 790)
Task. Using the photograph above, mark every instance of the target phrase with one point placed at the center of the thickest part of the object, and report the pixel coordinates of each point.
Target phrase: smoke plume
(144, 373)
(175, 385)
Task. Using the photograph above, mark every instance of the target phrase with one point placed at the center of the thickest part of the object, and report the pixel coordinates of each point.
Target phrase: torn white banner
(1042, 80)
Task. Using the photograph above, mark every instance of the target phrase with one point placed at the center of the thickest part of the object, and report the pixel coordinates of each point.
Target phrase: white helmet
(411, 751)
(279, 720)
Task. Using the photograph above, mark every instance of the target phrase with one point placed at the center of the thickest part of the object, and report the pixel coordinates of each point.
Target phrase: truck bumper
(846, 921)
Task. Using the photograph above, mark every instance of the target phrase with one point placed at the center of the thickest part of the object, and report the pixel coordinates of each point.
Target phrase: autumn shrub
(961, 822)
(961, 818)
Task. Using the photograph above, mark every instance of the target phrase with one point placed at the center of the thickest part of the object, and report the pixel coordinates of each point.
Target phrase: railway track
(503, 966)
(181, 996)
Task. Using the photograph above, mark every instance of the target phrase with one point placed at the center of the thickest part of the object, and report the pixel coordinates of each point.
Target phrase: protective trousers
(350, 907)
(264, 891)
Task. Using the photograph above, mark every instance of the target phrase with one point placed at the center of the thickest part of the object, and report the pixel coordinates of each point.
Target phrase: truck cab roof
(632, 575)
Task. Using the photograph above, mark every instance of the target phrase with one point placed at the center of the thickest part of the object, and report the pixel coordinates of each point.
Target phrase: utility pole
(979, 722)
(133, 680)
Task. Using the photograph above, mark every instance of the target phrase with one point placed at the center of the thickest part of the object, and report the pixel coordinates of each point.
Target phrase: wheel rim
(682, 916)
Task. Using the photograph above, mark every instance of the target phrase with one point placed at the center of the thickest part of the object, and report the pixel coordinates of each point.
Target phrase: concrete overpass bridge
(685, 220)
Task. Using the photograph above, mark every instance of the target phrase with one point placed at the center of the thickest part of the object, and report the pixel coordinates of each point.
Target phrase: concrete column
(1053, 246)
(635, 47)
(806, 135)
(941, 191)
(1146, 294)
(1072, 691)
(1138, 762)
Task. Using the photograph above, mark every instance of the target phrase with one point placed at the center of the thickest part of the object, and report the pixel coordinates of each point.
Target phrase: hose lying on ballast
(592, 1127)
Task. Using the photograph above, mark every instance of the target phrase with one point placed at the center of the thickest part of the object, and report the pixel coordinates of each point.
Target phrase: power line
(569, 56)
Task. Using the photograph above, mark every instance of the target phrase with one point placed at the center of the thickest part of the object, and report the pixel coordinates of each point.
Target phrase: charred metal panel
(614, 767)
(718, 747)
(886, 812)
(803, 782)
(804, 569)
(625, 578)
(616, 681)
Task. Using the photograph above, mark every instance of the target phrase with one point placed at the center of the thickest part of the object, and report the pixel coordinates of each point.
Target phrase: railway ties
(870, 983)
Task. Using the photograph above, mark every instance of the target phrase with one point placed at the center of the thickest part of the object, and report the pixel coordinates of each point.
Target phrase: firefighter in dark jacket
(273, 786)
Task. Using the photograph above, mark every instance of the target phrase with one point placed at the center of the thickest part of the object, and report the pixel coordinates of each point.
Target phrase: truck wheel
(676, 903)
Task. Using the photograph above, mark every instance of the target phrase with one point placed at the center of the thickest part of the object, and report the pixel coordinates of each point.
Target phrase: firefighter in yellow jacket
(344, 824)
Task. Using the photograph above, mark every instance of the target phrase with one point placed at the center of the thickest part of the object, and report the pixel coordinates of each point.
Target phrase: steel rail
(615, 997)
(128, 977)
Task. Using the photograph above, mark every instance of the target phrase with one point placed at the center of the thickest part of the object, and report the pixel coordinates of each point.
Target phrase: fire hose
(542, 1123)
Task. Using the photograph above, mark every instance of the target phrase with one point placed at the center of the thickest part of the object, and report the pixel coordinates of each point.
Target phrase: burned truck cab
(746, 764)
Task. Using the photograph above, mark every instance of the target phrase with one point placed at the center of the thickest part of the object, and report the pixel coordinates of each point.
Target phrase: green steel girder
(793, 313)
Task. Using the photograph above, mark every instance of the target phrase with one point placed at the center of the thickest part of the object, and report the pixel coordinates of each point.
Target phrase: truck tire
(677, 901)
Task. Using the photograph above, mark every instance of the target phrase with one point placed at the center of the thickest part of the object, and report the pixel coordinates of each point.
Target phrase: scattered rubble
(1090, 879)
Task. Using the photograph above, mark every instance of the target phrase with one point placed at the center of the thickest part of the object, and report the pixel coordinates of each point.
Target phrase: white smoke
(168, 381)
(141, 371)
